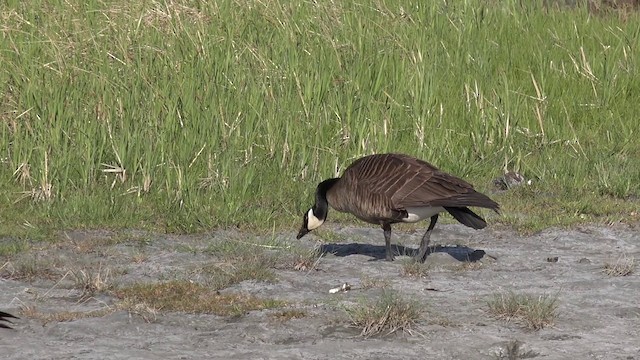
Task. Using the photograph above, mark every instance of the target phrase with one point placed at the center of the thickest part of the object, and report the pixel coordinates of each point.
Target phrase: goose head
(318, 213)
(310, 221)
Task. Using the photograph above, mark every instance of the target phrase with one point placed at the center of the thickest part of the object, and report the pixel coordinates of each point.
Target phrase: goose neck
(322, 205)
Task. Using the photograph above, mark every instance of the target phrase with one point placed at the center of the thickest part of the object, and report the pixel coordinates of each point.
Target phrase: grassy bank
(191, 115)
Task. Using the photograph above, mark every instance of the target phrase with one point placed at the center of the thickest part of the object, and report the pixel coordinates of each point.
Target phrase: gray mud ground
(599, 315)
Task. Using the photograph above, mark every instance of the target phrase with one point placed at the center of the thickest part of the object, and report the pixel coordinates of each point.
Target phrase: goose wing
(406, 181)
(438, 189)
(4, 317)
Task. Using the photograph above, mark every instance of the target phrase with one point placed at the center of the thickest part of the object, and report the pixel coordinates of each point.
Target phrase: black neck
(321, 206)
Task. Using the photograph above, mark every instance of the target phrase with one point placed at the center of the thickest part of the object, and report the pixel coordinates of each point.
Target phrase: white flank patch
(418, 213)
(313, 222)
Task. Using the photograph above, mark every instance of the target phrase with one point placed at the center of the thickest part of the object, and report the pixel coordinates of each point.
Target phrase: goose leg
(426, 238)
(387, 240)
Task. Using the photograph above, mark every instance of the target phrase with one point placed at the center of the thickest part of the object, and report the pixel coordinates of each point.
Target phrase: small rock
(584, 261)
(552, 259)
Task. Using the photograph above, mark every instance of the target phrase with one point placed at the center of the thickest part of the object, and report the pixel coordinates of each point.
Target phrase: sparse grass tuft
(93, 241)
(193, 298)
(513, 351)
(63, 316)
(28, 267)
(624, 266)
(470, 266)
(92, 281)
(415, 269)
(306, 259)
(535, 312)
(286, 315)
(146, 312)
(264, 256)
(232, 248)
(237, 261)
(222, 274)
(390, 313)
(373, 283)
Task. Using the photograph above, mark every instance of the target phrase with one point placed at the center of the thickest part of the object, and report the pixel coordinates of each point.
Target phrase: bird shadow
(378, 252)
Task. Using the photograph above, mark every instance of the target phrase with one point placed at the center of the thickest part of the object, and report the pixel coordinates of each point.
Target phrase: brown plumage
(389, 188)
(4, 318)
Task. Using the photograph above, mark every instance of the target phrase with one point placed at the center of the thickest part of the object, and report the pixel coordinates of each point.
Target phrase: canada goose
(4, 318)
(391, 188)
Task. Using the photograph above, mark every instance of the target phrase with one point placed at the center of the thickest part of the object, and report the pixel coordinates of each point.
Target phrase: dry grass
(513, 351)
(623, 9)
(141, 309)
(139, 258)
(286, 315)
(92, 281)
(269, 255)
(63, 316)
(237, 261)
(191, 297)
(29, 267)
(220, 275)
(146, 312)
(535, 312)
(415, 269)
(624, 266)
(389, 314)
(470, 266)
(372, 283)
(90, 242)
(306, 260)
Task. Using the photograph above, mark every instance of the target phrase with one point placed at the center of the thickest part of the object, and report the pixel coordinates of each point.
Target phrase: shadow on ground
(377, 252)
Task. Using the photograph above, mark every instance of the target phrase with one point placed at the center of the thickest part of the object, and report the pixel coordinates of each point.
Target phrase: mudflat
(598, 314)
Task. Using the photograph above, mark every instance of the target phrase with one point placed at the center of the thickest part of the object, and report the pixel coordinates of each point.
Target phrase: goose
(385, 189)
(4, 318)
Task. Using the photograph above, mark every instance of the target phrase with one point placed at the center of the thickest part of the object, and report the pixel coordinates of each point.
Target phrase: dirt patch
(598, 315)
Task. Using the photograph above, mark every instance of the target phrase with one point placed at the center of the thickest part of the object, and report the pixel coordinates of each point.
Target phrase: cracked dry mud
(598, 315)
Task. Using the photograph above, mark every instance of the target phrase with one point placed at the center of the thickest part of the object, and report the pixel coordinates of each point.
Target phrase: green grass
(182, 116)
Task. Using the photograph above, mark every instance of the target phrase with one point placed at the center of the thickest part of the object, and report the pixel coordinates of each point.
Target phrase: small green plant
(390, 313)
(535, 312)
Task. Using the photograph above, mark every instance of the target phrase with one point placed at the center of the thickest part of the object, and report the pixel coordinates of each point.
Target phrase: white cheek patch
(313, 222)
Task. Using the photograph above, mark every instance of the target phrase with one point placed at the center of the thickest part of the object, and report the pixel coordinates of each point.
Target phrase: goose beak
(303, 231)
